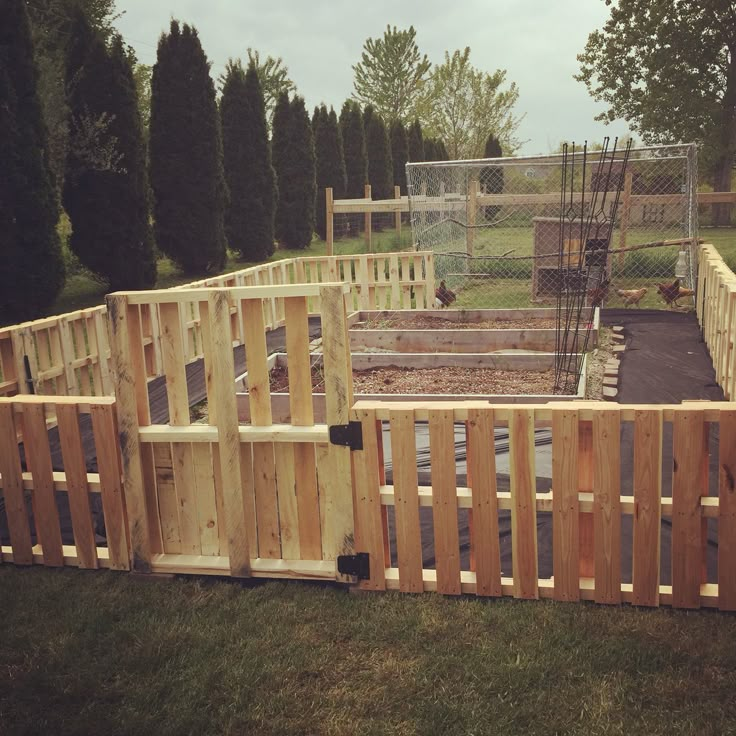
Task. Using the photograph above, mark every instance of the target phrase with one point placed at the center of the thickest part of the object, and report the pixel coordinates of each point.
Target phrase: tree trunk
(727, 139)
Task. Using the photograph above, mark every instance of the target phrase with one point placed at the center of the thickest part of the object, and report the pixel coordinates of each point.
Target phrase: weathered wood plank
(727, 511)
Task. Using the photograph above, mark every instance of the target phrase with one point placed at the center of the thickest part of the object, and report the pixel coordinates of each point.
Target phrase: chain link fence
(494, 225)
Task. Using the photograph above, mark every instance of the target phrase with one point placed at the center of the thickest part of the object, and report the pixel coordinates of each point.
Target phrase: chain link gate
(494, 227)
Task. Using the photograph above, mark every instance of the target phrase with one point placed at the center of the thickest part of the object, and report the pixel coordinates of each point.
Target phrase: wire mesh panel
(494, 226)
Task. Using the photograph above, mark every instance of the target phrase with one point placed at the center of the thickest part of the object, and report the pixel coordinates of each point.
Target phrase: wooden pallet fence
(30, 483)
(687, 506)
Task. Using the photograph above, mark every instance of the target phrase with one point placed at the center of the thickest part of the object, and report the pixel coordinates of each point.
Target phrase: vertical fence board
(523, 503)
(406, 493)
(12, 485)
(38, 458)
(585, 484)
(444, 500)
(75, 469)
(482, 473)
(727, 511)
(647, 505)
(607, 504)
(565, 505)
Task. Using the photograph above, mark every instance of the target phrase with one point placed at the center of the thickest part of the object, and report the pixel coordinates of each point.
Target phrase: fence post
(397, 216)
(329, 215)
(625, 215)
(368, 222)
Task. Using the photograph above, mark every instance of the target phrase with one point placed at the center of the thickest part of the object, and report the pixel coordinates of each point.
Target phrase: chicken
(670, 292)
(599, 293)
(443, 296)
(631, 296)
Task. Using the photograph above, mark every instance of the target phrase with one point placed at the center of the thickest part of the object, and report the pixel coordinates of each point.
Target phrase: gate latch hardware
(358, 565)
(347, 435)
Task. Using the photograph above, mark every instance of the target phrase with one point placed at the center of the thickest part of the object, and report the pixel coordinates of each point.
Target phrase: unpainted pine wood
(66, 350)
(395, 287)
(43, 353)
(368, 221)
(249, 496)
(727, 511)
(482, 481)
(38, 459)
(687, 488)
(75, 470)
(444, 500)
(302, 414)
(223, 370)
(86, 383)
(382, 481)
(586, 523)
(607, 504)
(206, 505)
(286, 479)
(647, 506)
(523, 503)
(264, 461)
(105, 435)
(182, 455)
(167, 502)
(12, 485)
(334, 475)
(469, 481)
(368, 526)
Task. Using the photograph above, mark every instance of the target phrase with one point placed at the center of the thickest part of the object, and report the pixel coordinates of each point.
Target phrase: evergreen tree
(399, 153)
(330, 163)
(249, 216)
(353, 141)
(491, 178)
(380, 168)
(32, 272)
(293, 158)
(105, 190)
(416, 142)
(187, 177)
(441, 150)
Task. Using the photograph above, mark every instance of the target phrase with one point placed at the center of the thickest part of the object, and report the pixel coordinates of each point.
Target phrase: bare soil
(444, 380)
(421, 322)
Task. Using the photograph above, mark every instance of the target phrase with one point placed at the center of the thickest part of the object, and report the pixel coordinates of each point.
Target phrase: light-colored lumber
(523, 511)
(38, 459)
(406, 491)
(482, 472)
(444, 505)
(12, 484)
(75, 469)
(565, 505)
(647, 497)
(172, 352)
(368, 222)
(586, 473)
(166, 495)
(287, 471)
(607, 504)
(727, 512)
(207, 433)
(330, 222)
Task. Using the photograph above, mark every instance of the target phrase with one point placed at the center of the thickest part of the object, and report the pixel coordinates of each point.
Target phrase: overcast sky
(536, 41)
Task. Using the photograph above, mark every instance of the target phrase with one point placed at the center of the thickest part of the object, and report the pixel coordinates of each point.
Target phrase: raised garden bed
(512, 378)
(457, 331)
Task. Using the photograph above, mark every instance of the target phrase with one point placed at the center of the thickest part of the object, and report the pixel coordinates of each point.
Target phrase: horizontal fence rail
(587, 507)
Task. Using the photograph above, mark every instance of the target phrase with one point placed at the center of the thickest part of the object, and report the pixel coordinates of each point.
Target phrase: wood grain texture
(586, 523)
(727, 511)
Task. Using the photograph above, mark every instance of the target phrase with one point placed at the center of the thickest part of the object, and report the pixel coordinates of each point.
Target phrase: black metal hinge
(357, 565)
(347, 435)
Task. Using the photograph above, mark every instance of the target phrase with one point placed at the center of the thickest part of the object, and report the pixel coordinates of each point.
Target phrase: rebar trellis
(582, 278)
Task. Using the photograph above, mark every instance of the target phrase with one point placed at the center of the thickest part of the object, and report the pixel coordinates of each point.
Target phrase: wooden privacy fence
(68, 355)
(29, 482)
(222, 497)
(586, 482)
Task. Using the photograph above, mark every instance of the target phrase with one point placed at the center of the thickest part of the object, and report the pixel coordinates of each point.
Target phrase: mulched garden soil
(444, 380)
(439, 323)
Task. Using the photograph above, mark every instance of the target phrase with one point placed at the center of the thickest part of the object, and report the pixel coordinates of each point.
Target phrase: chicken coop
(494, 224)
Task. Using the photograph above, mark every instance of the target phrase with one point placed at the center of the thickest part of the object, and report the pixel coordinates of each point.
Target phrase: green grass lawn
(102, 653)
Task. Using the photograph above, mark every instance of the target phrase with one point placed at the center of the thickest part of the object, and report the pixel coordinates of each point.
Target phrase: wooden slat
(647, 497)
(76, 479)
(565, 506)
(287, 472)
(585, 484)
(38, 458)
(523, 507)
(172, 353)
(444, 503)
(113, 502)
(223, 370)
(264, 461)
(408, 533)
(206, 505)
(727, 511)
(482, 471)
(166, 493)
(607, 504)
(12, 485)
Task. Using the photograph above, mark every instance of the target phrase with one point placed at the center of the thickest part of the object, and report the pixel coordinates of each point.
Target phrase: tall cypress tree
(32, 272)
(353, 141)
(186, 154)
(380, 168)
(430, 149)
(251, 181)
(293, 158)
(399, 153)
(416, 142)
(105, 190)
(330, 163)
(441, 149)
